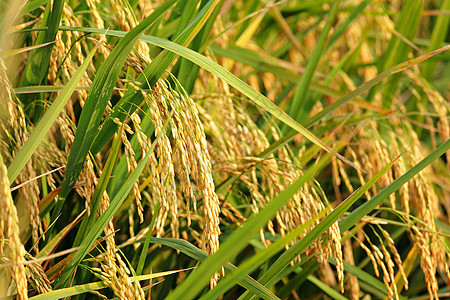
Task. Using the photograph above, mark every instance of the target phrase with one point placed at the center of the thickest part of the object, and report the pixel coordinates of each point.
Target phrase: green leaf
(146, 244)
(440, 31)
(32, 5)
(269, 64)
(188, 72)
(88, 221)
(406, 25)
(374, 282)
(258, 259)
(39, 59)
(58, 238)
(200, 255)
(328, 290)
(340, 30)
(300, 106)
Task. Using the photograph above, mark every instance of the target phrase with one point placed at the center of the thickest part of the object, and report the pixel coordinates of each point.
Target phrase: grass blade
(340, 30)
(100, 189)
(365, 277)
(39, 59)
(146, 244)
(328, 290)
(200, 255)
(32, 5)
(440, 31)
(407, 24)
(256, 260)
(300, 106)
(268, 64)
(188, 72)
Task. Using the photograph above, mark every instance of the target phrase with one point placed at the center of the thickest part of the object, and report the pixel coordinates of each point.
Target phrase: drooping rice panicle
(9, 225)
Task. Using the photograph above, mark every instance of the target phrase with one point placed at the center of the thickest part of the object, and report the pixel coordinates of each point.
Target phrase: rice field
(223, 149)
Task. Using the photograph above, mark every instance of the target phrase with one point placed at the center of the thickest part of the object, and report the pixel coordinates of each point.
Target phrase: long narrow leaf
(406, 25)
(300, 105)
(440, 31)
(100, 189)
(258, 259)
(39, 59)
(328, 290)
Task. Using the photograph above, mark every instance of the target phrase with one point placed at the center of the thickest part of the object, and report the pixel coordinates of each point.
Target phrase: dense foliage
(225, 149)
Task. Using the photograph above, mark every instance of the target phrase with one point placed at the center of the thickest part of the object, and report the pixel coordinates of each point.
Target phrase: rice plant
(222, 149)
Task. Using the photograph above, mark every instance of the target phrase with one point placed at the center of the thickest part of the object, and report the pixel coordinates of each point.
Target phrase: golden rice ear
(37, 276)
(126, 19)
(14, 133)
(398, 261)
(9, 225)
(115, 274)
